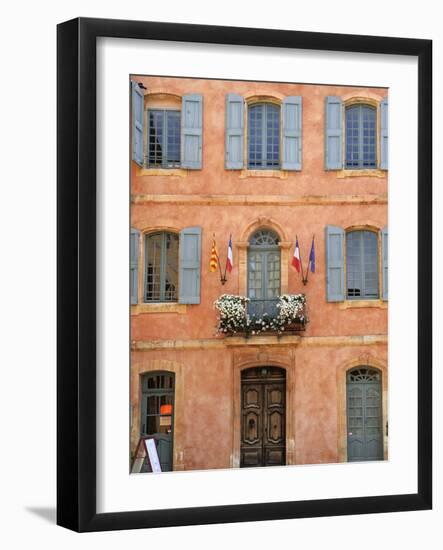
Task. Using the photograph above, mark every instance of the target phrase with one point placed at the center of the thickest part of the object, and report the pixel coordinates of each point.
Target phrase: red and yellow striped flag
(213, 263)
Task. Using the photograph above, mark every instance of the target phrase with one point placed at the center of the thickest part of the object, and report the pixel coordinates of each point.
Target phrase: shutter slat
(192, 131)
(335, 280)
(292, 133)
(134, 248)
(333, 133)
(189, 265)
(137, 123)
(234, 132)
(384, 256)
(384, 137)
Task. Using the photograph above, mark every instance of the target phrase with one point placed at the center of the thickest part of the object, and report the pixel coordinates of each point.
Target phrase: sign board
(146, 454)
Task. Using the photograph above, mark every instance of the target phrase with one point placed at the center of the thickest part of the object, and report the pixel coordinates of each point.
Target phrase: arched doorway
(364, 414)
(157, 413)
(264, 276)
(263, 417)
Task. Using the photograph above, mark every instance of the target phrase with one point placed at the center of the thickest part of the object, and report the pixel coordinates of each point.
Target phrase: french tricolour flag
(230, 257)
(296, 262)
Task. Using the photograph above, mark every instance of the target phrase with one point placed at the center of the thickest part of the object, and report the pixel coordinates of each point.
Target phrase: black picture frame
(76, 282)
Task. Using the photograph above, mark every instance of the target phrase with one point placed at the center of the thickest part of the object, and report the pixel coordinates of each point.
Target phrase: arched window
(364, 414)
(361, 137)
(264, 136)
(161, 267)
(362, 265)
(157, 413)
(263, 272)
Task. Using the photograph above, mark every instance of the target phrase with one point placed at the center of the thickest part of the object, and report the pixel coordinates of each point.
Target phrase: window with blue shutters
(273, 134)
(163, 138)
(353, 265)
(356, 135)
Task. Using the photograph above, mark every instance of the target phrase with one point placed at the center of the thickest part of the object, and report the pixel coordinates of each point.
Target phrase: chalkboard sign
(146, 457)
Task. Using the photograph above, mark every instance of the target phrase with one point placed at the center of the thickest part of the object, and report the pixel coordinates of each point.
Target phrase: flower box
(235, 319)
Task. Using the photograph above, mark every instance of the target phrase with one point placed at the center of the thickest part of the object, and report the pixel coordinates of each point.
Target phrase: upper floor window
(166, 138)
(362, 265)
(264, 273)
(171, 264)
(163, 138)
(356, 135)
(273, 134)
(361, 137)
(264, 136)
(161, 267)
(354, 268)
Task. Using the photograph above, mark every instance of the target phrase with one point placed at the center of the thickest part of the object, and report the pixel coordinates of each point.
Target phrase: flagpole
(226, 264)
(309, 261)
(301, 262)
(222, 279)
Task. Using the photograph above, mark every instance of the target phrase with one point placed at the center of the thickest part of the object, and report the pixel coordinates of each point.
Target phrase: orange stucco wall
(296, 203)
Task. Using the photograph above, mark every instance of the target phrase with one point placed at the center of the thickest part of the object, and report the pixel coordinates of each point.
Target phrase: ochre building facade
(213, 157)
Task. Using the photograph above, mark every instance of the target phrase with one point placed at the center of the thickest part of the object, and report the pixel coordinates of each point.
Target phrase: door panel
(263, 423)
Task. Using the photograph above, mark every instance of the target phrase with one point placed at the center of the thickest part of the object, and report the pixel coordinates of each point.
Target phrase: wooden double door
(263, 417)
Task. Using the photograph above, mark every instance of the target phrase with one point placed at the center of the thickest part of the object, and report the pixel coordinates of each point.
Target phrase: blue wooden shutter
(192, 131)
(234, 131)
(134, 247)
(291, 133)
(137, 123)
(335, 273)
(333, 133)
(189, 265)
(384, 262)
(384, 134)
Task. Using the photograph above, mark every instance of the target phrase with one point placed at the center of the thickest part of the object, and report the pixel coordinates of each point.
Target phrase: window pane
(360, 141)
(173, 139)
(156, 121)
(272, 136)
(273, 267)
(264, 136)
(255, 133)
(255, 272)
(153, 266)
(164, 138)
(362, 264)
(353, 265)
(171, 269)
(161, 272)
(370, 248)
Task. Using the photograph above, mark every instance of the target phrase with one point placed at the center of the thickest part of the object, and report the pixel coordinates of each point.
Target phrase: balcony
(242, 316)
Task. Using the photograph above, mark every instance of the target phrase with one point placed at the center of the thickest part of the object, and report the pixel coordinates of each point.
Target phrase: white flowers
(233, 315)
